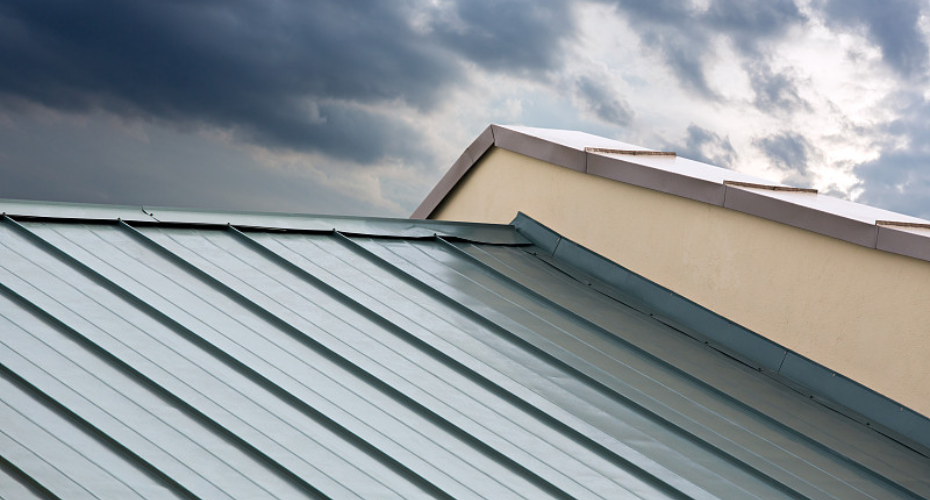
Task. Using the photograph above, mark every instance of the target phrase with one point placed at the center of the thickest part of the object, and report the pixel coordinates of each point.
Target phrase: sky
(359, 107)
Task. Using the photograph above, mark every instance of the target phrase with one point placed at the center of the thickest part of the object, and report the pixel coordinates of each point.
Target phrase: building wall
(859, 311)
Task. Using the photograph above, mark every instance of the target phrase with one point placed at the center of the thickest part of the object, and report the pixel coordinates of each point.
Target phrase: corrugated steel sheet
(183, 359)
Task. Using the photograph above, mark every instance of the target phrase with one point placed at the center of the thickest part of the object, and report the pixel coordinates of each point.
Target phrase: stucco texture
(859, 311)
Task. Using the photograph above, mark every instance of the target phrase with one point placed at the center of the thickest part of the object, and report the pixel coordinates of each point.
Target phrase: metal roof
(803, 208)
(259, 355)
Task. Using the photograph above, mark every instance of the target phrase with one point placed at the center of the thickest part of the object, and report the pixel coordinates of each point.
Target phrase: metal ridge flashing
(494, 234)
(771, 187)
(829, 224)
(724, 188)
(804, 375)
(901, 240)
(539, 148)
(630, 152)
(462, 165)
(897, 223)
(643, 176)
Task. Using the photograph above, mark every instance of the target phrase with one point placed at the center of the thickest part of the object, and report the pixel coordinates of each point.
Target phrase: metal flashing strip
(903, 240)
(631, 152)
(541, 149)
(836, 391)
(778, 210)
(73, 211)
(664, 181)
(772, 187)
(902, 224)
(462, 165)
(495, 234)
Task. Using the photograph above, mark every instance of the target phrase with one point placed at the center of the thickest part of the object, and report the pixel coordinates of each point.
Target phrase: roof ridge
(494, 234)
(730, 189)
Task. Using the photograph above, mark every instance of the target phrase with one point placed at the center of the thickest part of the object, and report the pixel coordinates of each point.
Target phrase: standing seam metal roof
(190, 358)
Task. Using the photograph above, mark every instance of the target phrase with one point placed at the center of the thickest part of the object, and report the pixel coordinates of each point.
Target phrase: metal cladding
(192, 359)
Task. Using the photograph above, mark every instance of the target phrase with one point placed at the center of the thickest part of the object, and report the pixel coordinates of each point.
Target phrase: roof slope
(668, 173)
(194, 358)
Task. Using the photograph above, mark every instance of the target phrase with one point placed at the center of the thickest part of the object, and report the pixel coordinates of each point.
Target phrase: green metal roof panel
(145, 359)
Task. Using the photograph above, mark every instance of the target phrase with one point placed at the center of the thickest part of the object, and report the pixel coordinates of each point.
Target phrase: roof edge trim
(492, 234)
(802, 374)
(462, 165)
(732, 195)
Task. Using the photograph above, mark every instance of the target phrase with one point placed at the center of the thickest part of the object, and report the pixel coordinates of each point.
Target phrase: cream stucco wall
(859, 311)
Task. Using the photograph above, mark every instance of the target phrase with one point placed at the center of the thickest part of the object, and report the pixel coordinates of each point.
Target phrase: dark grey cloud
(790, 153)
(787, 150)
(604, 101)
(250, 67)
(891, 24)
(685, 35)
(673, 29)
(751, 23)
(514, 35)
(97, 162)
(899, 179)
(286, 74)
(685, 54)
(706, 146)
(775, 92)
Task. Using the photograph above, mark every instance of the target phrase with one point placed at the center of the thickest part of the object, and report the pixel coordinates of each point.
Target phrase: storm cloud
(790, 153)
(892, 24)
(293, 75)
(602, 100)
(774, 92)
(686, 35)
(704, 145)
(899, 178)
(359, 106)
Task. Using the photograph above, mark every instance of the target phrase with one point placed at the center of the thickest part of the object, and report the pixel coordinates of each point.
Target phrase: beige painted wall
(859, 311)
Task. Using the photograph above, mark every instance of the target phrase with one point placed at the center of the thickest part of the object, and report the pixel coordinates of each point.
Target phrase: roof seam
(647, 470)
(688, 434)
(350, 367)
(231, 437)
(90, 429)
(306, 276)
(26, 479)
(556, 247)
(393, 392)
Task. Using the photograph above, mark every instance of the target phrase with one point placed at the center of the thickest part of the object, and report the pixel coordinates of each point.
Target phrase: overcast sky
(359, 107)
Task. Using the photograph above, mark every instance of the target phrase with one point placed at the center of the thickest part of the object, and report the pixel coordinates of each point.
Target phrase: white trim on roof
(802, 208)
